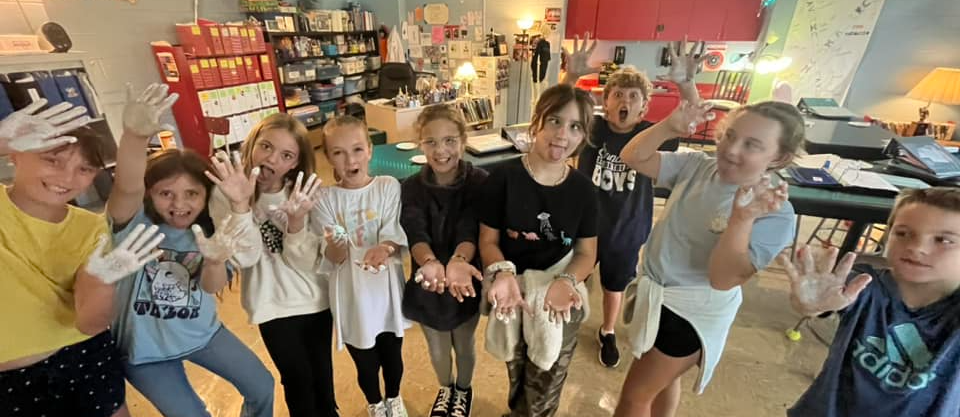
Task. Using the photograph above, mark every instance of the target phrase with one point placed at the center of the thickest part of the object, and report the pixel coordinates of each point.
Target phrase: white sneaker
(395, 407)
(377, 410)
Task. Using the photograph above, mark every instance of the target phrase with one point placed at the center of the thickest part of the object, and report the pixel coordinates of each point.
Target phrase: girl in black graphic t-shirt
(534, 212)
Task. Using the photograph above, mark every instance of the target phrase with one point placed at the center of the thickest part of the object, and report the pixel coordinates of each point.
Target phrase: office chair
(393, 76)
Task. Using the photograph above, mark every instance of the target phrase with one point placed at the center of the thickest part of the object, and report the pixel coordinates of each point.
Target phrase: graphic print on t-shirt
(546, 230)
(900, 361)
(169, 287)
(272, 237)
(611, 174)
(362, 225)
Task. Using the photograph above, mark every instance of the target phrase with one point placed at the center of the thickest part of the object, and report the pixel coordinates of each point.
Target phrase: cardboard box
(195, 74)
(225, 78)
(253, 69)
(266, 67)
(241, 70)
(233, 39)
(245, 40)
(211, 36)
(257, 43)
(192, 40)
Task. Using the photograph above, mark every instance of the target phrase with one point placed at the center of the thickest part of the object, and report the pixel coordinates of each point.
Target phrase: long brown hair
(442, 112)
(306, 160)
(553, 100)
(170, 163)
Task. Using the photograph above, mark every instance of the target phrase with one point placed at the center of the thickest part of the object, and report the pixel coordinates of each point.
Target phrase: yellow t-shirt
(38, 265)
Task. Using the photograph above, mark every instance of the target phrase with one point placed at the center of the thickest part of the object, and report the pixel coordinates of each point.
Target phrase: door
(743, 20)
(674, 19)
(581, 18)
(627, 19)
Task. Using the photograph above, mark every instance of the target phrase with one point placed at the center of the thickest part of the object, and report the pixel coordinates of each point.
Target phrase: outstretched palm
(684, 64)
(816, 287)
(230, 178)
(578, 63)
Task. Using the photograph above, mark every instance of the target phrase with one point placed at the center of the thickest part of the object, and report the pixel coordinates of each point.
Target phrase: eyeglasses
(447, 142)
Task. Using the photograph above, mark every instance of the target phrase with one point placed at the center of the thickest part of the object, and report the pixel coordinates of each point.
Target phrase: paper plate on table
(406, 146)
(418, 159)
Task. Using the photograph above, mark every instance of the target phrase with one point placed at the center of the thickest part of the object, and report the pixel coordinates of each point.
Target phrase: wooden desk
(397, 122)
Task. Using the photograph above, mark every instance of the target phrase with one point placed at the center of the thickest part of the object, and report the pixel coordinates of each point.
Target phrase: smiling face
(623, 107)
(53, 178)
(276, 152)
(178, 200)
(441, 143)
(348, 149)
(749, 147)
(560, 134)
(924, 244)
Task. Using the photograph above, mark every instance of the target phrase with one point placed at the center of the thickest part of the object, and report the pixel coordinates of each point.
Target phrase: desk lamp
(942, 85)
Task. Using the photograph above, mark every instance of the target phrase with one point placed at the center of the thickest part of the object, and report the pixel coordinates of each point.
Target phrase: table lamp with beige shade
(942, 85)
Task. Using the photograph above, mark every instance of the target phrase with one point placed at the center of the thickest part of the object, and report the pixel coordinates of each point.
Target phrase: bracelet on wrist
(568, 277)
(460, 257)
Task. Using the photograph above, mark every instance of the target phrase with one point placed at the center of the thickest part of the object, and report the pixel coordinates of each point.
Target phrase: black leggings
(386, 354)
(300, 347)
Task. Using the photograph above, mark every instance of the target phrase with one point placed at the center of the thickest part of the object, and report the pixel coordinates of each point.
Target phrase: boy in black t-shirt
(624, 197)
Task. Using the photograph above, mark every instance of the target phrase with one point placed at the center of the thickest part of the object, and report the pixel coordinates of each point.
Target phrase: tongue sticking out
(557, 152)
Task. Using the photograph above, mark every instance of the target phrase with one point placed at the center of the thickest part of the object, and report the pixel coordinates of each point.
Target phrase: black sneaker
(609, 354)
(462, 402)
(441, 406)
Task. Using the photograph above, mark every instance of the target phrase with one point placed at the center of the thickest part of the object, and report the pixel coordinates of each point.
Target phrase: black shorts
(85, 379)
(676, 337)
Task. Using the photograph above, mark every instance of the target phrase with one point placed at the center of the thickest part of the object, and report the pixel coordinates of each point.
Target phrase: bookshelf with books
(226, 77)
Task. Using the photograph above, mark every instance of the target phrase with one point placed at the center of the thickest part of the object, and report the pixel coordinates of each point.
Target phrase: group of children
(516, 243)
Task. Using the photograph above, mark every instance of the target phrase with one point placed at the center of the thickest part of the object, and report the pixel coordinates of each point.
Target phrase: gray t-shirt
(696, 213)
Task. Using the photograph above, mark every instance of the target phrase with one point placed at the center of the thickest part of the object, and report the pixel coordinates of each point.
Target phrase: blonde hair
(344, 121)
(306, 160)
(946, 198)
(553, 100)
(792, 130)
(628, 77)
(441, 112)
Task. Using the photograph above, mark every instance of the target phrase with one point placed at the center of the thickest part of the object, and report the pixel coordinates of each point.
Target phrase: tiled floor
(761, 373)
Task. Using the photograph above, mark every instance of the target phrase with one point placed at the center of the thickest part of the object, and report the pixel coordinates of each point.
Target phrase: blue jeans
(165, 383)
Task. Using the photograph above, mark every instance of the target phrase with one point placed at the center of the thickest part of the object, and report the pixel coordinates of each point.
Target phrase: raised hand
(235, 185)
(685, 119)
(128, 257)
(24, 131)
(816, 287)
(505, 296)
(302, 198)
(375, 259)
(684, 64)
(141, 114)
(460, 275)
(432, 276)
(751, 202)
(560, 298)
(225, 242)
(578, 62)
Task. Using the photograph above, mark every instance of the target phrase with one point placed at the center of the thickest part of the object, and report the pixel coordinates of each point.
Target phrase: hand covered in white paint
(684, 64)
(816, 287)
(506, 298)
(230, 178)
(685, 119)
(753, 201)
(336, 235)
(24, 131)
(460, 275)
(432, 276)
(375, 258)
(560, 298)
(128, 257)
(141, 115)
(225, 242)
(302, 198)
(578, 61)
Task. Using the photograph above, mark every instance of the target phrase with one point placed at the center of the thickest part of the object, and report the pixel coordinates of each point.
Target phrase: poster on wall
(552, 15)
(436, 14)
(827, 40)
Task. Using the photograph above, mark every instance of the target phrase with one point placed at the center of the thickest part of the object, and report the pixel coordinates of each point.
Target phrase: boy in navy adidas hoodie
(897, 349)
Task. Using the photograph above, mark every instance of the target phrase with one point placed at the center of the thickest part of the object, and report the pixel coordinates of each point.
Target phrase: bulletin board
(439, 39)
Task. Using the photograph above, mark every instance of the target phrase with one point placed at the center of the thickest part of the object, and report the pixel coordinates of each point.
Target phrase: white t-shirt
(283, 282)
(364, 304)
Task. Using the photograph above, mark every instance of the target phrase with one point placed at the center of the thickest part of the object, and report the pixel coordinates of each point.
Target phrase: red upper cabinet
(743, 20)
(581, 18)
(627, 19)
(674, 19)
(706, 20)
(665, 20)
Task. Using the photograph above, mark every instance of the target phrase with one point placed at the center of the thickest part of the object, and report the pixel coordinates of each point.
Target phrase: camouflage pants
(533, 391)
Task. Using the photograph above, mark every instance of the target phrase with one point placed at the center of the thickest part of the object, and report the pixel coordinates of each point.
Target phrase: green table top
(388, 160)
